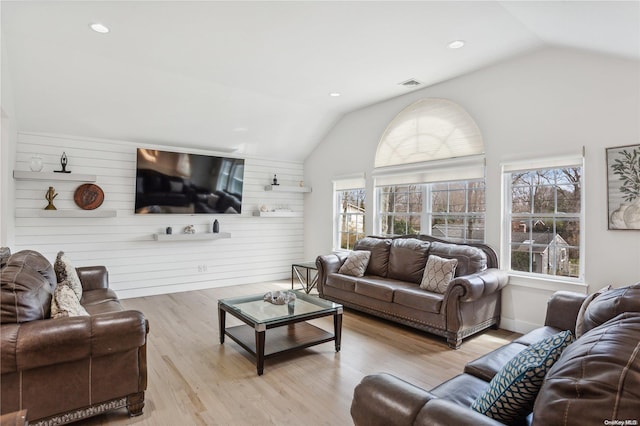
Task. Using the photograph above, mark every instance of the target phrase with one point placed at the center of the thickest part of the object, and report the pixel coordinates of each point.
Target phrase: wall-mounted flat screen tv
(177, 182)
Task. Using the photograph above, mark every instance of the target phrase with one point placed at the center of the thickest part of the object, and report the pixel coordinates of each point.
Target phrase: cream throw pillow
(583, 309)
(65, 271)
(356, 263)
(438, 274)
(65, 302)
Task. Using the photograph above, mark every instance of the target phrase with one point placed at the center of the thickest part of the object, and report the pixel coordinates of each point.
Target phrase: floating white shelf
(278, 214)
(69, 177)
(191, 237)
(286, 188)
(77, 213)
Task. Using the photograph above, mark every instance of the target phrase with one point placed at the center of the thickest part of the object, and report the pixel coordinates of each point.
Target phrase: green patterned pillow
(513, 390)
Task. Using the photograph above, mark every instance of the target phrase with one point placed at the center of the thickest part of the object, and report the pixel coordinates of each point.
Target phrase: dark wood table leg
(221, 321)
(337, 328)
(260, 351)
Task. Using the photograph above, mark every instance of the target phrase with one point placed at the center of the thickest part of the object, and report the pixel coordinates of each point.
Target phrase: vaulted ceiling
(256, 77)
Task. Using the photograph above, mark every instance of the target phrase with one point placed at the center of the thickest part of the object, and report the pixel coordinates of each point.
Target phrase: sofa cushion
(597, 379)
(488, 365)
(379, 248)
(438, 274)
(463, 389)
(407, 259)
(380, 289)
(583, 308)
(414, 297)
(470, 259)
(66, 272)
(536, 335)
(65, 302)
(26, 284)
(513, 390)
(101, 300)
(609, 304)
(343, 282)
(356, 263)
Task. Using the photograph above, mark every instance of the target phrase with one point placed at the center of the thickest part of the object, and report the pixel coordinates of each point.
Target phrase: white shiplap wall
(260, 249)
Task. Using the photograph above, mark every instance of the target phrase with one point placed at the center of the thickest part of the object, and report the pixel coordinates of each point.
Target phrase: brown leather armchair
(62, 370)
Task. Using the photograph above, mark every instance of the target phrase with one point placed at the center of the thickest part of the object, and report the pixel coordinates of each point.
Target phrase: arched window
(428, 130)
(429, 173)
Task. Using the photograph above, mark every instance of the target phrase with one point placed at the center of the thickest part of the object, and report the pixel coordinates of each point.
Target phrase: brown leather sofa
(595, 381)
(65, 369)
(390, 287)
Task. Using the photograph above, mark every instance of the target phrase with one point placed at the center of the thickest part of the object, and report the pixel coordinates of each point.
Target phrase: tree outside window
(545, 221)
(350, 216)
(450, 210)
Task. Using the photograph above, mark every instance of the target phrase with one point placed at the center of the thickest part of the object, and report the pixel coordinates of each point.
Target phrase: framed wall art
(623, 187)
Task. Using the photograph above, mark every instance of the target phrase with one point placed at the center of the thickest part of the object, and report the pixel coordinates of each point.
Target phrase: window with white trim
(350, 209)
(544, 219)
(452, 210)
(430, 173)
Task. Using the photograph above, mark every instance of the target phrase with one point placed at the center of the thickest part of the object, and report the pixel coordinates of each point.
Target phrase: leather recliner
(66, 369)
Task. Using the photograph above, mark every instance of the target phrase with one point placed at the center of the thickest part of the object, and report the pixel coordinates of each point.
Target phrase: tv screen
(176, 182)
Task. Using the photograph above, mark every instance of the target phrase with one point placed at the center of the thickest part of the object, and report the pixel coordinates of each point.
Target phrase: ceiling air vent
(412, 82)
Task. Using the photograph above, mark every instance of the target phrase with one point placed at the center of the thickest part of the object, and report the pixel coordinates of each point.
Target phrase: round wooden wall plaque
(88, 196)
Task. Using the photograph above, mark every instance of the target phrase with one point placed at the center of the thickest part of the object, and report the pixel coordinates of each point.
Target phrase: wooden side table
(307, 274)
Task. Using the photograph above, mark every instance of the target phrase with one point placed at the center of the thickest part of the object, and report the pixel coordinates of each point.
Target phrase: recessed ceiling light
(99, 28)
(334, 94)
(456, 44)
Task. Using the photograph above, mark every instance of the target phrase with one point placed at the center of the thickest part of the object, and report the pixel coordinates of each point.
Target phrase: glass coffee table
(272, 330)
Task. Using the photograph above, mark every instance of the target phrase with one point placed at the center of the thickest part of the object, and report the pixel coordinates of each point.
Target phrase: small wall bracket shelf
(192, 237)
(287, 188)
(69, 177)
(278, 214)
(30, 213)
(77, 213)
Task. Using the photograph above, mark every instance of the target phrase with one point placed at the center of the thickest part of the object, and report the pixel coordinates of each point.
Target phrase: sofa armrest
(326, 265)
(385, 400)
(475, 286)
(562, 310)
(441, 412)
(93, 277)
(54, 341)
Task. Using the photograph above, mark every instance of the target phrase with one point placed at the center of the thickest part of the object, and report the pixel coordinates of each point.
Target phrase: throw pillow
(356, 263)
(583, 308)
(65, 302)
(65, 271)
(438, 274)
(513, 390)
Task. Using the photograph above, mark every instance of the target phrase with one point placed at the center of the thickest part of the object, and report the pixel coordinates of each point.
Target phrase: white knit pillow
(65, 271)
(65, 302)
(356, 263)
(438, 274)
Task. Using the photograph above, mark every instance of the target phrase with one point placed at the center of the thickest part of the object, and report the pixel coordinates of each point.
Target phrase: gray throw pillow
(356, 263)
(438, 274)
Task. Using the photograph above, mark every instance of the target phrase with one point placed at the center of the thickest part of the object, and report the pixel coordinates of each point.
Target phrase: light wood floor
(193, 380)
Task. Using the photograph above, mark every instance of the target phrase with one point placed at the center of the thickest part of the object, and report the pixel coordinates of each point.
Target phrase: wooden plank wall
(260, 249)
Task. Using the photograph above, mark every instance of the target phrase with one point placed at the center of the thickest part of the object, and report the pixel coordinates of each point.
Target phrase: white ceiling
(256, 76)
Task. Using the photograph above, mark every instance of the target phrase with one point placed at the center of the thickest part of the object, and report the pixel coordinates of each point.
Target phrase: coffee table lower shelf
(280, 340)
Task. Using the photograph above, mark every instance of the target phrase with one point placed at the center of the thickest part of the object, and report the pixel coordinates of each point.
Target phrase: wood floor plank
(194, 380)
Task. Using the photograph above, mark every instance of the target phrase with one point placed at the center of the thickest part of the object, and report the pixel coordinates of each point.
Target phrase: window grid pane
(545, 221)
(350, 213)
(453, 211)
